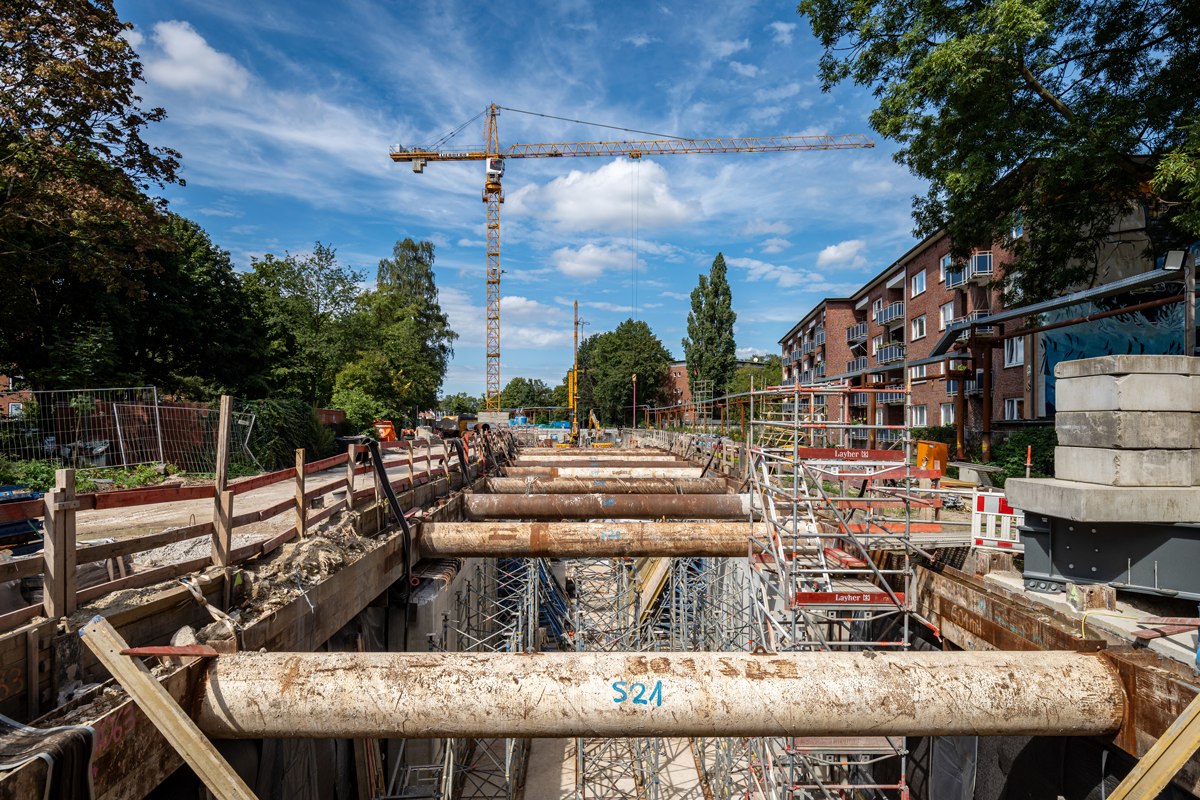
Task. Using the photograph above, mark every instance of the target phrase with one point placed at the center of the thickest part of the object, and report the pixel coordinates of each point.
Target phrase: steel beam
(586, 539)
(535, 485)
(604, 472)
(500, 695)
(606, 506)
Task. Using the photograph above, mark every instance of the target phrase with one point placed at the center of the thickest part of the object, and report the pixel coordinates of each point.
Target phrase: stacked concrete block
(1129, 442)
(1129, 421)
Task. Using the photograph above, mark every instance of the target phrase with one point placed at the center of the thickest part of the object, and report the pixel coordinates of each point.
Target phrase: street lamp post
(635, 401)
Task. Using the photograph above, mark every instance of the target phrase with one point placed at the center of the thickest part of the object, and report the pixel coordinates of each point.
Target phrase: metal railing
(978, 266)
(856, 364)
(980, 330)
(807, 347)
(891, 314)
(856, 333)
(819, 337)
(890, 354)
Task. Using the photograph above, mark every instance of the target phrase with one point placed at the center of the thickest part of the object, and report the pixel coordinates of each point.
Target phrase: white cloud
(469, 321)
(640, 40)
(775, 245)
(652, 305)
(778, 93)
(758, 226)
(515, 307)
(676, 296)
(750, 352)
(782, 31)
(726, 49)
(843, 254)
(602, 199)
(591, 261)
(748, 70)
(878, 187)
(786, 277)
(188, 62)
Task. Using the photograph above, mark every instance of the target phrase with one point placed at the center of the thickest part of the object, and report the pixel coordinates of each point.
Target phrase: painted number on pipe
(637, 692)
(610, 533)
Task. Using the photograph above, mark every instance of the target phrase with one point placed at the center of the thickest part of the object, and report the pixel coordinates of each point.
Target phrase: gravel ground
(186, 550)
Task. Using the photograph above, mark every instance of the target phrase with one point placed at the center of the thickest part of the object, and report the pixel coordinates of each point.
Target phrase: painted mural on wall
(1156, 331)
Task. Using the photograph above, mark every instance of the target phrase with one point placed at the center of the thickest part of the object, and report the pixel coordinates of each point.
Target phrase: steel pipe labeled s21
(606, 506)
(605, 485)
(463, 695)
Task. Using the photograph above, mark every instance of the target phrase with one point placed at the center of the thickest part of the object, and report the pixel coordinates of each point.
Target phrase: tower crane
(493, 195)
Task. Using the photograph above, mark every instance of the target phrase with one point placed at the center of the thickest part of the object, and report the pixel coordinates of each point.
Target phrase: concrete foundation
(1080, 501)
(1111, 467)
(1156, 392)
(1127, 365)
(1129, 430)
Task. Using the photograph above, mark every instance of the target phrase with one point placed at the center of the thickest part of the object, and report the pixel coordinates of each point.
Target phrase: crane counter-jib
(665, 147)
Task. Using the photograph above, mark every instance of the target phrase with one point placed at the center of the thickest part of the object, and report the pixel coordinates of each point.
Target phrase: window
(876, 307)
(1014, 352)
(945, 315)
(947, 413)
(16, 409)
(876, 344)
(1014, 408)
(916, 372)
(878, 416)
(918, 327)
(943, 265)
(918, 417)
(1018, 229)
(918, 283)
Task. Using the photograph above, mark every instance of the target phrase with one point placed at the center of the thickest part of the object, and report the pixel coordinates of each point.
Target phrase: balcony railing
(856, 333)
(890, 398)
(806, 376)
(819, 371)
(891, 315)
(819, 337)
(858, 399)
(978, 269)
(888, 435)
(980, 330)
(856, 364)
(890, 354)
(970, 387)
(807, 348)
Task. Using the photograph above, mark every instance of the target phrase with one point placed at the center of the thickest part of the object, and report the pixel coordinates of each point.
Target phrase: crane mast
(493, 195)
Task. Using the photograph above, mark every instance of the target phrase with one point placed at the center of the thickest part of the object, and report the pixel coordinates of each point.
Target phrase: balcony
(858, 399)
(890, 316)
(858, 433)
(978, 269)
(971, 387)
(856, 334)
(980, 330)
(856, 364)
(890, 354)
(819, 337)
(819, 371)
(888, 436)
(808, 347)
(890, 398)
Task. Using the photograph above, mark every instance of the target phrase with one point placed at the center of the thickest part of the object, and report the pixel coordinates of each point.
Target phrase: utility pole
(635, 401)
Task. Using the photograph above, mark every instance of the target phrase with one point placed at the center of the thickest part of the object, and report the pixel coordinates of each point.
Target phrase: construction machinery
(493, 195)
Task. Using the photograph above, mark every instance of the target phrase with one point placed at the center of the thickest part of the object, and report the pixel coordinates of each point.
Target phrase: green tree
(709, 347)
(610, 361)
(525, 393)
(767, 372)
(1035, 116)
(460, 403)
(307, 305)
(74, 169)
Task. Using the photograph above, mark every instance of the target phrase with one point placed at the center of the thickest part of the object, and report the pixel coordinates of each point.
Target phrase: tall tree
(307, 305)
(525, 393)
(709, 348)
(610, 362)
(74, 169)
(1039, 117)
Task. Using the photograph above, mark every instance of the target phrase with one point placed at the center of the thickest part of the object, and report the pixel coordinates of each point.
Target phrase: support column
(987, 404)
(58, 593)
(301, 506)
(222, 536)
(871, 432)
(960, 414)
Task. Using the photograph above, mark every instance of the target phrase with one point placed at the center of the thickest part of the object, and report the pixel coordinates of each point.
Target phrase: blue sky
(284, 114)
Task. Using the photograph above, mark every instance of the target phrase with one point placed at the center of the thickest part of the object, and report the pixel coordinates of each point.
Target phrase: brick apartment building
(892, 324)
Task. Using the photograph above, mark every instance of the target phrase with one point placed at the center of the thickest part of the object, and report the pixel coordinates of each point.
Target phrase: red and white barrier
(994, 523)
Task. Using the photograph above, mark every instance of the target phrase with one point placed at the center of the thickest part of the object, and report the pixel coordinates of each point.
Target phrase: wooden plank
(224, 429)
(222, 538)
(321, 491)
(33, 700)
(21, 567)
(19, 617)
(259, 481)
(26, 509)
(324, 464)
(140, 579)
(124, 547)
(171, 721)
(142, 497)
(1165, 758)
(301, 506)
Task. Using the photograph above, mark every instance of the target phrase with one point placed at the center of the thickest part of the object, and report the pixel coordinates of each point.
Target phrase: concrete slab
(1128, 430)
(1143, 392)
(1091, 502)
(1127, 365)
(1110, 467)
(550, 774)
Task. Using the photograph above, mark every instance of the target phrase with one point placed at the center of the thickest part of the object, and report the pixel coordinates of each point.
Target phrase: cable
(453, 131)
(596, 124)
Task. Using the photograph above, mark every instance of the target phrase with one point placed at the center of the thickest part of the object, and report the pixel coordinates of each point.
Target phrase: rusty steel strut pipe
(602, 463)
(604, 472)
(606, 506)
(586, 539)
(501, 695)
(605, 485)
(556, 458)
